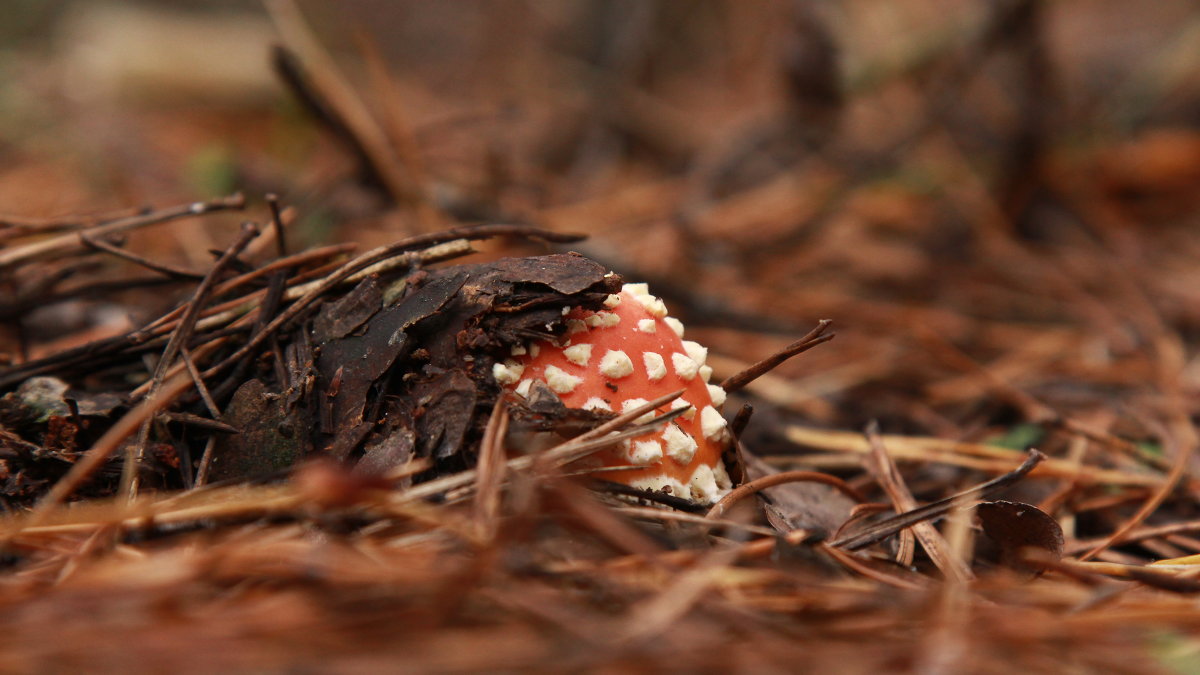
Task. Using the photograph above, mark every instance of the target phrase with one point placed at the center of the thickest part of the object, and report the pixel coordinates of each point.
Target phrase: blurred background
(995, 201)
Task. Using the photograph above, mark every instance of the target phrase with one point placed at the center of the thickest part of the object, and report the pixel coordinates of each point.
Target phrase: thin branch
(882, 530)
(213, 408)
(162, 268)
(771, 480)
(205, 462)
(490, 471)
(277, 225)
(814, 338)
(74, 242)
(179, 338)
(13, 226)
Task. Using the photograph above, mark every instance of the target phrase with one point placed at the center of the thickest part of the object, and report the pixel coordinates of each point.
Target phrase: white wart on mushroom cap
(618, 358)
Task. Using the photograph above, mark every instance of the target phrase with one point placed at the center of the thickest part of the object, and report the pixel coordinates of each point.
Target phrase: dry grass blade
(1183, 452)
(654, 615)
(490, 471)
(971, 455)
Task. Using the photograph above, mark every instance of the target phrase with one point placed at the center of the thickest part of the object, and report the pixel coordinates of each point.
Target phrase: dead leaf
(799, 506)
(269, 438)
(1014, 526)
(349, 312)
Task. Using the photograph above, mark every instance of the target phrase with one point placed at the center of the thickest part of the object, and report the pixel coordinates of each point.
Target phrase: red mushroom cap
(621, 357)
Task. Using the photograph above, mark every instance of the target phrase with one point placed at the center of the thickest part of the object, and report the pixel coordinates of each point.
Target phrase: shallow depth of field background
(793, 161)
(933, 176)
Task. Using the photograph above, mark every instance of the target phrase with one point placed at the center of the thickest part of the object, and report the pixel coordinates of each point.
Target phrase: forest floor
(991, 467)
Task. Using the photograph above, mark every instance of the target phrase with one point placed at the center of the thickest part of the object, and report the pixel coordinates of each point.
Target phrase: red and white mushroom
(619, 358)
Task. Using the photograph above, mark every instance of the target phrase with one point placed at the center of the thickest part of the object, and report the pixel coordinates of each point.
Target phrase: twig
(652, 513)
(315, 77)
(398, 131)
(198, 421)
(75, 241)
(213, 408)
(277, 225)
(12, 226)
(678, 503)
(179, 338)
(781, 478)
(205, 462)
(887, 528)
(169, 270)
(814, 338)
(740, 420)
(850, 561)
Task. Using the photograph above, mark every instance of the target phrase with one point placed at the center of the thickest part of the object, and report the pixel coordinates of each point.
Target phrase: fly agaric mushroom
(619, 358)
